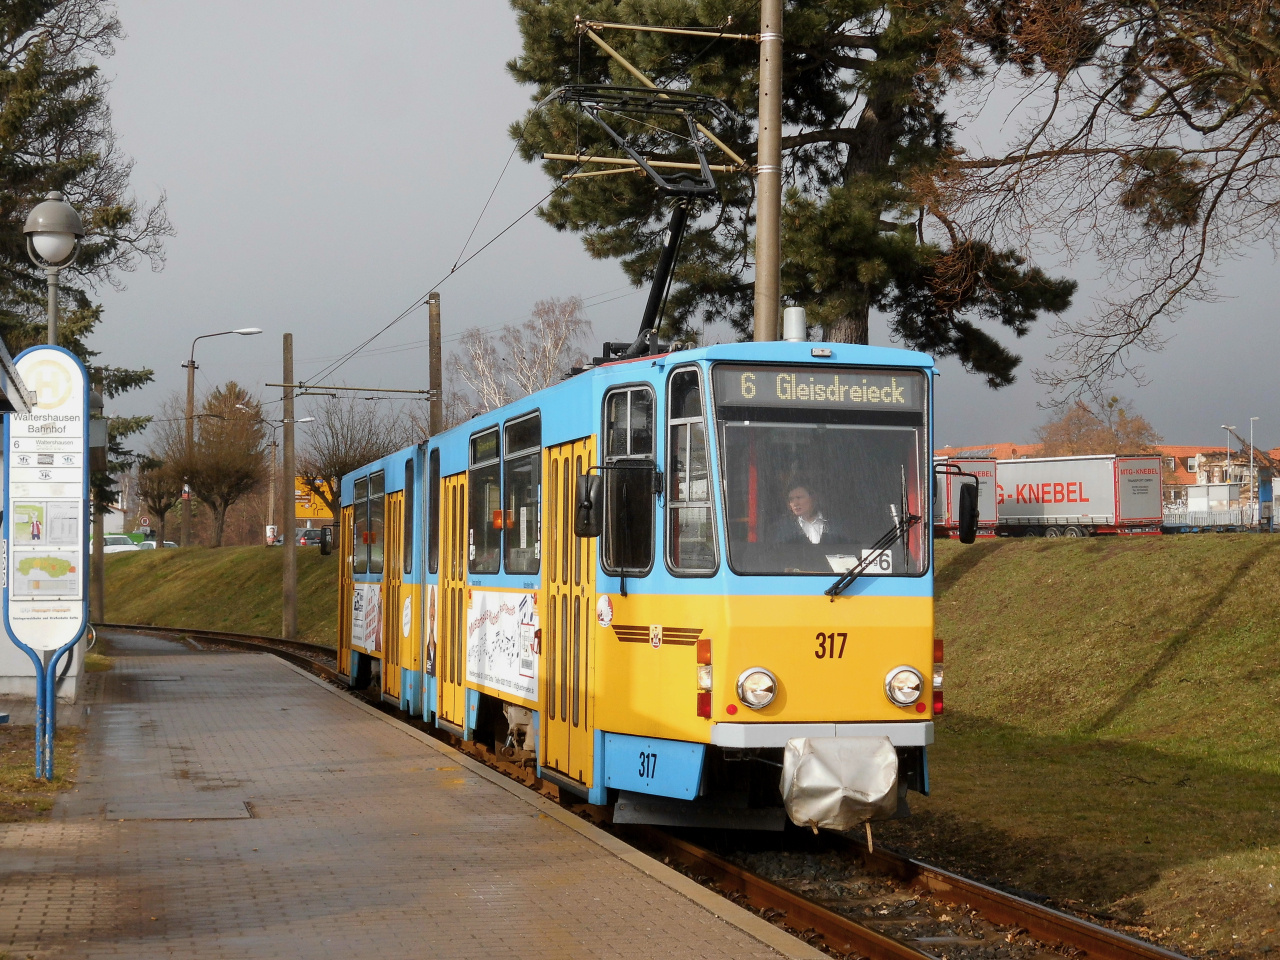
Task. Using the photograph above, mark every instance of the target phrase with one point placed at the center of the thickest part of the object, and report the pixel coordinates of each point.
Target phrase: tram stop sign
(46, 488)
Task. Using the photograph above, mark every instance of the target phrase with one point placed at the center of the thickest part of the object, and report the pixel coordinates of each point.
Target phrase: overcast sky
(325, 162)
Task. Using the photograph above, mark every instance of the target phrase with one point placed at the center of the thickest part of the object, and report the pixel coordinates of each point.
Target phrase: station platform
(229, 805)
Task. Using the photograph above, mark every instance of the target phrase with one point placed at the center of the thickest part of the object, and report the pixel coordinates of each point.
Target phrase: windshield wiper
(897, 532)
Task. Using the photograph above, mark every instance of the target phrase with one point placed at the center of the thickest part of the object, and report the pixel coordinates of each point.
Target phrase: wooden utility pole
(769, 175)
(289, 522)
(189, 450)
(436, 403)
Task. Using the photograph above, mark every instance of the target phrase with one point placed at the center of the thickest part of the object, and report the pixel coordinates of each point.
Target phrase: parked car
(309, 537)
(118, 543)
(151, 545)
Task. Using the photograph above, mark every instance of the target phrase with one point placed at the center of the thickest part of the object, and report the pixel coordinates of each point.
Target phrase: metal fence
(1175, 516)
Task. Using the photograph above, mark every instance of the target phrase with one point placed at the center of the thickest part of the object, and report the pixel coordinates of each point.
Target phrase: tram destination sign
(842, 389)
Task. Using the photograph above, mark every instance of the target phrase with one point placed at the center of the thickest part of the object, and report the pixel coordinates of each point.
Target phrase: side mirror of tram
(968, 519)
(326, 541)
(588, 511)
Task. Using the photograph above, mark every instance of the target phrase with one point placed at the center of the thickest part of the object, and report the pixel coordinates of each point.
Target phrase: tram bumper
(839, 782)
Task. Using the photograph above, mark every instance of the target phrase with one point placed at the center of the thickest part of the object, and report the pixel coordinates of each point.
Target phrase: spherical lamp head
(53, 230)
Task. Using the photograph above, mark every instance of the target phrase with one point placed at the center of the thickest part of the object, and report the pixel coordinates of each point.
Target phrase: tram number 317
(830, 646)
(648, 765)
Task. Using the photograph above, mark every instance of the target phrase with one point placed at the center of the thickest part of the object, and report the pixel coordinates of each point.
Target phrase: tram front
(828, 654)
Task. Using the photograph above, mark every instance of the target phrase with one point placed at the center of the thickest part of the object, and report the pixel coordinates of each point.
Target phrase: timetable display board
(45, 502)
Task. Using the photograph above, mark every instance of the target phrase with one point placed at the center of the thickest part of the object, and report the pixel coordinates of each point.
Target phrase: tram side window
(628, 481)
(407, 530)
(522, 481)
(377, 483)
(433, 514)
(484, 495)
(360, 540)
(691, 538)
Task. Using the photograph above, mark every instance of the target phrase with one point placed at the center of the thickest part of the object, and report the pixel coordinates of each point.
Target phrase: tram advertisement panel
(366, 617)
(429, 660)
(502, 629)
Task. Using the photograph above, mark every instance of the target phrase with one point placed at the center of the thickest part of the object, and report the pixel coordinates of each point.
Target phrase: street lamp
(190, 366)
(54, 231)
(1253, 477)
(1226, 470)
(271, 484)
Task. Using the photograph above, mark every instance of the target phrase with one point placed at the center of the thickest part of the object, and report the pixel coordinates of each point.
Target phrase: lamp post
(1253, 477)
(1226, 470)
(190, 366)
(271, 491)
(54, 231)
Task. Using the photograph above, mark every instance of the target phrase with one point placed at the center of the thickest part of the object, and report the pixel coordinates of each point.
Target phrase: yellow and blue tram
(697, 586)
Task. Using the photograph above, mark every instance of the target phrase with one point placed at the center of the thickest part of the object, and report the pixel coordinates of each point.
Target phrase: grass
(237, 589)
(1109, 735)
(22, 796)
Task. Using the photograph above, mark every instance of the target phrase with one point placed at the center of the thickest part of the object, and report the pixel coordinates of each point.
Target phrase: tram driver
(806, 521)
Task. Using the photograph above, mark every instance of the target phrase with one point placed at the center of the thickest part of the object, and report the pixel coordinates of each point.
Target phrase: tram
(696, 586)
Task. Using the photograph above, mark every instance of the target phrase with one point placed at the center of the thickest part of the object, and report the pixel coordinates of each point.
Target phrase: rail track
(914, 897)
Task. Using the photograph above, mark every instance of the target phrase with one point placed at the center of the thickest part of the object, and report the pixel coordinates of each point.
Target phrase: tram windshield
(819, 464)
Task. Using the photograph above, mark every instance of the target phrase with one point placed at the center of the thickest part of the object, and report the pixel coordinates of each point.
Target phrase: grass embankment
(1110, 736)
(237, 589)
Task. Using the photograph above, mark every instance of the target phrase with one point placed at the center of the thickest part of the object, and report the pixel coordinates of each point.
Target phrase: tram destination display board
(45, 496)
(817, 388)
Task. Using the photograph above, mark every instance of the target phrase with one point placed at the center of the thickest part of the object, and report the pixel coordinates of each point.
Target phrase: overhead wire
(459, 263)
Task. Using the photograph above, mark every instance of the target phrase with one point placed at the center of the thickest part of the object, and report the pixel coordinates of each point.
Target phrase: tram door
(392, 590)
(451, 653)
(570, 618)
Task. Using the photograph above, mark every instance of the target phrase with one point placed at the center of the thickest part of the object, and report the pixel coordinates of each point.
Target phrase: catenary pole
(289, 619)
(769, 175)
(436, 404)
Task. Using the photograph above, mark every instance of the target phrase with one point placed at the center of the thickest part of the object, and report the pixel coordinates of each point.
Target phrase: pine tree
(56, 134)
(865, 135)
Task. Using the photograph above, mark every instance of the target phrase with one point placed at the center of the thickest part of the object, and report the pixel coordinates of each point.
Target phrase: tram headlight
(903, 685)
(757, 687)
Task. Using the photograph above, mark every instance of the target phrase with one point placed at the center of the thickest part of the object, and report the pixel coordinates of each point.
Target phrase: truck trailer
(1078, 496)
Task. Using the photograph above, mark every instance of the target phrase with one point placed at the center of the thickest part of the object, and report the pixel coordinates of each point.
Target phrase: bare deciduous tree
(160, 490)
(1082, 429)
(1152, 143)
(228, 460)
(348, 433)
(160, 471)
(522, 358)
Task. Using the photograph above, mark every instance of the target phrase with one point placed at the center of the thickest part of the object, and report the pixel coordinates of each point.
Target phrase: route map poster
(46, 550)
(502, 644)
(46, 490)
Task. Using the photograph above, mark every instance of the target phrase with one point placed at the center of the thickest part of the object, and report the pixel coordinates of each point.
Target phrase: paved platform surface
(229, 806)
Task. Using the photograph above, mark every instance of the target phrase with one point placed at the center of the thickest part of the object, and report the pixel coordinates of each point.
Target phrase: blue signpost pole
(50, 682)
(38, 662)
